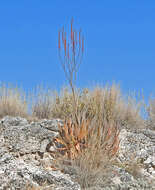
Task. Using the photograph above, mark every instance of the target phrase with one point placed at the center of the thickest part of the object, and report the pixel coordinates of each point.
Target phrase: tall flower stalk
(71, 49)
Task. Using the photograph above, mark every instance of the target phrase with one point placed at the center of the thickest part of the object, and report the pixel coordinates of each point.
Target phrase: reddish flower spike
(83, 45)
(59, 40)
(72, 29)
(68, 50)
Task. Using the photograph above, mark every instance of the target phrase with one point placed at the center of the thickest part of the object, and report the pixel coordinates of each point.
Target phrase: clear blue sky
(119, 42)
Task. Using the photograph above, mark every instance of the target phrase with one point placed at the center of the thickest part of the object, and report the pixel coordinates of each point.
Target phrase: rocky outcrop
(136, 158)
(25, 159)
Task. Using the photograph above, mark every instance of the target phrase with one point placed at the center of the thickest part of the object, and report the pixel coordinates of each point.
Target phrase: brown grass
(12, 102)
(151, 114)
(43, 187)
(62, 105)
(132, 166)
(42, 100)
(88, 149)
(45, 103)
(114, 105)
(94, 166)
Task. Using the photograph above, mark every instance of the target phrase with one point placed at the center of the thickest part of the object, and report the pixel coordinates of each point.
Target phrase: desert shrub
(12, 102)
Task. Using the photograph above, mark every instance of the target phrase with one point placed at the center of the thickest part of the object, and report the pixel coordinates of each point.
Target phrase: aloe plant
(73, 138)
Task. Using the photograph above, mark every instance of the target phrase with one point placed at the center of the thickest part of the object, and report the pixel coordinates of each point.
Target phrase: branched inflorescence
(71, 50)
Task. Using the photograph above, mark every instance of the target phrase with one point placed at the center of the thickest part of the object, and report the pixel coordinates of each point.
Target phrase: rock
(24, 159)
(13, 121)
(137, 153)
(25, 138)
(16, 174)
(51, 125)
(148, 161)
(134, 168)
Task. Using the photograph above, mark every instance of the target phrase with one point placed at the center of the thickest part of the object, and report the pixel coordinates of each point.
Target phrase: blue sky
(119, 42)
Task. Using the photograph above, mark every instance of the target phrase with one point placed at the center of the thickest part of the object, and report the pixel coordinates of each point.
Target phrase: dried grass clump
(133, 165)
(107, 100)
(88, 147)
(110, 102)
(63, 104)
(131, 113)
(94, 165)
(42, 103)
(151, 114)
(12, 102)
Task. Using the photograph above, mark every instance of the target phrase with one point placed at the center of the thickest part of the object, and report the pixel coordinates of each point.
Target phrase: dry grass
(42, 103)
(94, 166)
(43, 187)
(63, 104)
(133, 165)
(114, 105)
(12, 102)
(151, 114)
(45, 103)
(88, 149)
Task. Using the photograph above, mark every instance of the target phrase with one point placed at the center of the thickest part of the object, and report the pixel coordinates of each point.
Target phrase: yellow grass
(114, 105)
(12, 102)
(108, 101)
